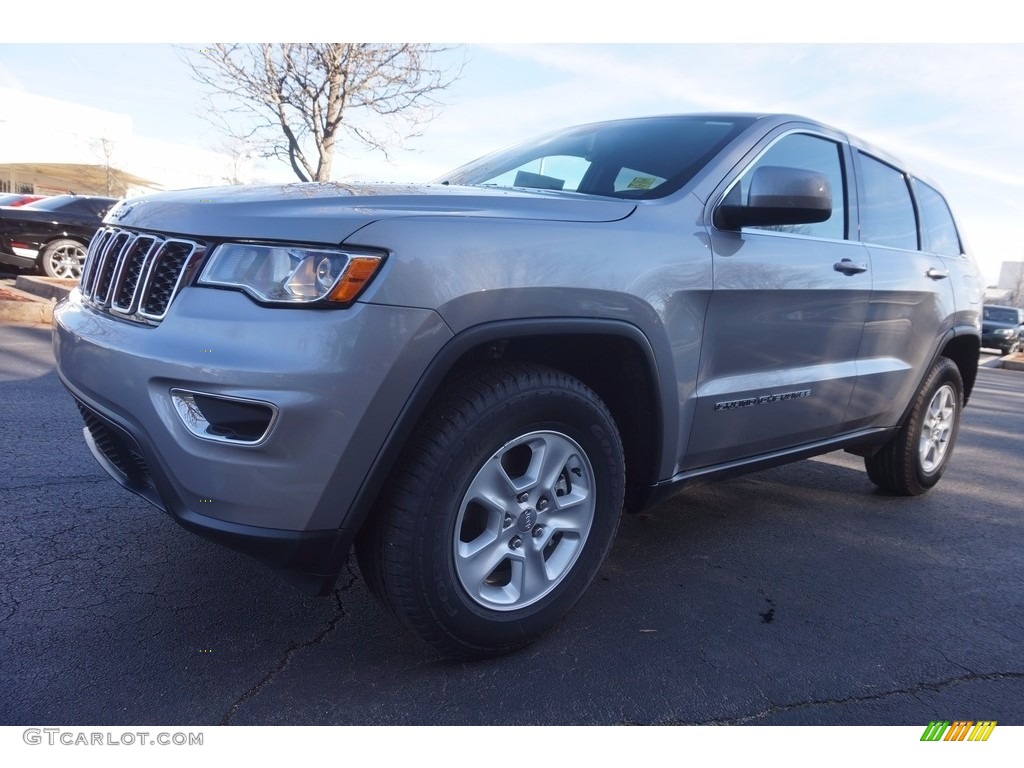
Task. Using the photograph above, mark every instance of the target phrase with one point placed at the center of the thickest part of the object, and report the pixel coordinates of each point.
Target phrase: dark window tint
(810, 153)
(73, 204)
(55, 203)
(937, 228)
(886, 210)
(1006, 315)
(98, 207)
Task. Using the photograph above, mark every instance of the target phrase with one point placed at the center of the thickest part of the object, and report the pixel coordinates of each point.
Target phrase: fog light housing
(224, 419)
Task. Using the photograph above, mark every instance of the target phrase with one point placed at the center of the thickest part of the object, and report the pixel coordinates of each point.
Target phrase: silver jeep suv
(469, 380)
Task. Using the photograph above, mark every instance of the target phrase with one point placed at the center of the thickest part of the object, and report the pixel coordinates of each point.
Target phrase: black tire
(518, 464)
(917, 455)
(63, 259)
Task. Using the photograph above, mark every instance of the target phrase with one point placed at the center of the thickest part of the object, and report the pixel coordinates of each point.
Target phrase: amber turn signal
(357, 274)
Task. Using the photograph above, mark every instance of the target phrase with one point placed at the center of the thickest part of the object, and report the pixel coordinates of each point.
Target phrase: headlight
(1003, 332)
(291, 274)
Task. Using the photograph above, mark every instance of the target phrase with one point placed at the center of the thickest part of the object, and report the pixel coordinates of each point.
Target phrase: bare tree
(1018, 286)
(103, 149)
(238, 155)
(296, 100)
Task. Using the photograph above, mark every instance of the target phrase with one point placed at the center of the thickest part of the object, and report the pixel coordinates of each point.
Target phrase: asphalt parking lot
(798, 595)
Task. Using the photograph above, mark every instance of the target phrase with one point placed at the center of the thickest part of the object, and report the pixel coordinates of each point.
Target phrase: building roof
(80, 178)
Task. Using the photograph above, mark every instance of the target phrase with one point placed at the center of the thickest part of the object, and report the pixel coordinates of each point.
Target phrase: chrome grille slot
(136, 276)
(132, 268)
(96, 247)
(166, 271)
(108, 266)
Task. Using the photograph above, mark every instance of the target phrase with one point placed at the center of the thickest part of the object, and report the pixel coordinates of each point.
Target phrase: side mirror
(779, 195)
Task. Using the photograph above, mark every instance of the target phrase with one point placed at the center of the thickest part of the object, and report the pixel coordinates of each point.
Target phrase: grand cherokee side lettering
(746, 402)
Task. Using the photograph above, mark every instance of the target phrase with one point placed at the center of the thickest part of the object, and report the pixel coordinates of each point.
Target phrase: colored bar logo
(959, 730)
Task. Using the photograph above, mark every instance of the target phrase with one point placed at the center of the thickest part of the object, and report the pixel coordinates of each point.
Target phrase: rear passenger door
(783, 327)
(910, 234)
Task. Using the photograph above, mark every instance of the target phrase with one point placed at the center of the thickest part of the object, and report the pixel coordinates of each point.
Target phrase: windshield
(636, 159)
(1001, 315)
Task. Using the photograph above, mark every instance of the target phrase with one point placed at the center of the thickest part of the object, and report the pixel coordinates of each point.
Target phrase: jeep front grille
(136, 275)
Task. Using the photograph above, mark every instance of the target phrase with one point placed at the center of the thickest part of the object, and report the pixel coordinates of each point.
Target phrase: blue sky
(951, 111)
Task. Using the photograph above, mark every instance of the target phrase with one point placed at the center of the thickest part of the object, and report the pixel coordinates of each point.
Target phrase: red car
(13, 201)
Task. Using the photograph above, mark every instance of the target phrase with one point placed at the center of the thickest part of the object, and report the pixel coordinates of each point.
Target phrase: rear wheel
(500, 512)
(915, 458)
(63, 258)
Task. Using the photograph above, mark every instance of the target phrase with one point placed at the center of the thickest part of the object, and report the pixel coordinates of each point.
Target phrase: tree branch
(296, 100)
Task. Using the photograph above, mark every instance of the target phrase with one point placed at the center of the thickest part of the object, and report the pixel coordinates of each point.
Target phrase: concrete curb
(32, 298)
(17, 306)
(45, 287)
(1013, 362)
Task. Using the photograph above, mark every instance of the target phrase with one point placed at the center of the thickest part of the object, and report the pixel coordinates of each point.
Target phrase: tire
(500, 511)
(63, 258)
(917, 455)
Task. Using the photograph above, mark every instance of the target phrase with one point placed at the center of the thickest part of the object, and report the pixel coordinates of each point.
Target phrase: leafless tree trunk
(238, 154)
(297, 100)
(103, 148)
(1018, 286)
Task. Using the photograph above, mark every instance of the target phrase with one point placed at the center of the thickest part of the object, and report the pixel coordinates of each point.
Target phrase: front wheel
(915, 458)
(500, 511)
(63, 259)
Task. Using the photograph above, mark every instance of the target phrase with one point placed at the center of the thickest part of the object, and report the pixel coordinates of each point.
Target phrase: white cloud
(951, 112)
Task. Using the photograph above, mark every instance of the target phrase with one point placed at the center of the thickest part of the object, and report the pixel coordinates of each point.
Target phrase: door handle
(847, 267)
(937, 274)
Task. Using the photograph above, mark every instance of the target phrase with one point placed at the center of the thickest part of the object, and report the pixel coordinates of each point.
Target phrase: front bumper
(337, 379)
(997, 341)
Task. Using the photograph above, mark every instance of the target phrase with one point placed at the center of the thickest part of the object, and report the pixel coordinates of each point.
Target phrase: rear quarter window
(886, 208)
(938, 230)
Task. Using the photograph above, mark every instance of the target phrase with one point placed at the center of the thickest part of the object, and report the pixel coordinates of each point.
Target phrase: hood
(330, 212)
(991, 325)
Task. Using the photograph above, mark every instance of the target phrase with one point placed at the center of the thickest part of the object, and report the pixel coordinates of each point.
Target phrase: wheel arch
(964, 349)
(82, 241)
(613, 358)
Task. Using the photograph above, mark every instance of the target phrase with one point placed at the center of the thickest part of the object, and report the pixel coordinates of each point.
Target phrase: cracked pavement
(797, 595)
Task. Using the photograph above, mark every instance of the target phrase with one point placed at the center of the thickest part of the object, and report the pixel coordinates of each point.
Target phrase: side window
(937, 228)
(886, 209)
(86, 207)
(811, 153)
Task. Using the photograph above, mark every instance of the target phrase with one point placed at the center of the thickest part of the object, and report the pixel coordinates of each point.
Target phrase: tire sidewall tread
(411, 541)
(896, 467)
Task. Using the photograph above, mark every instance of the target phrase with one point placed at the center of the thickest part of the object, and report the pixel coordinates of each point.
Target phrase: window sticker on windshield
(642, 182)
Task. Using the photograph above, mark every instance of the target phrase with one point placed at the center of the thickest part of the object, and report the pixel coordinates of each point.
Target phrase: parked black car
(52, 234)
(1002, 328)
